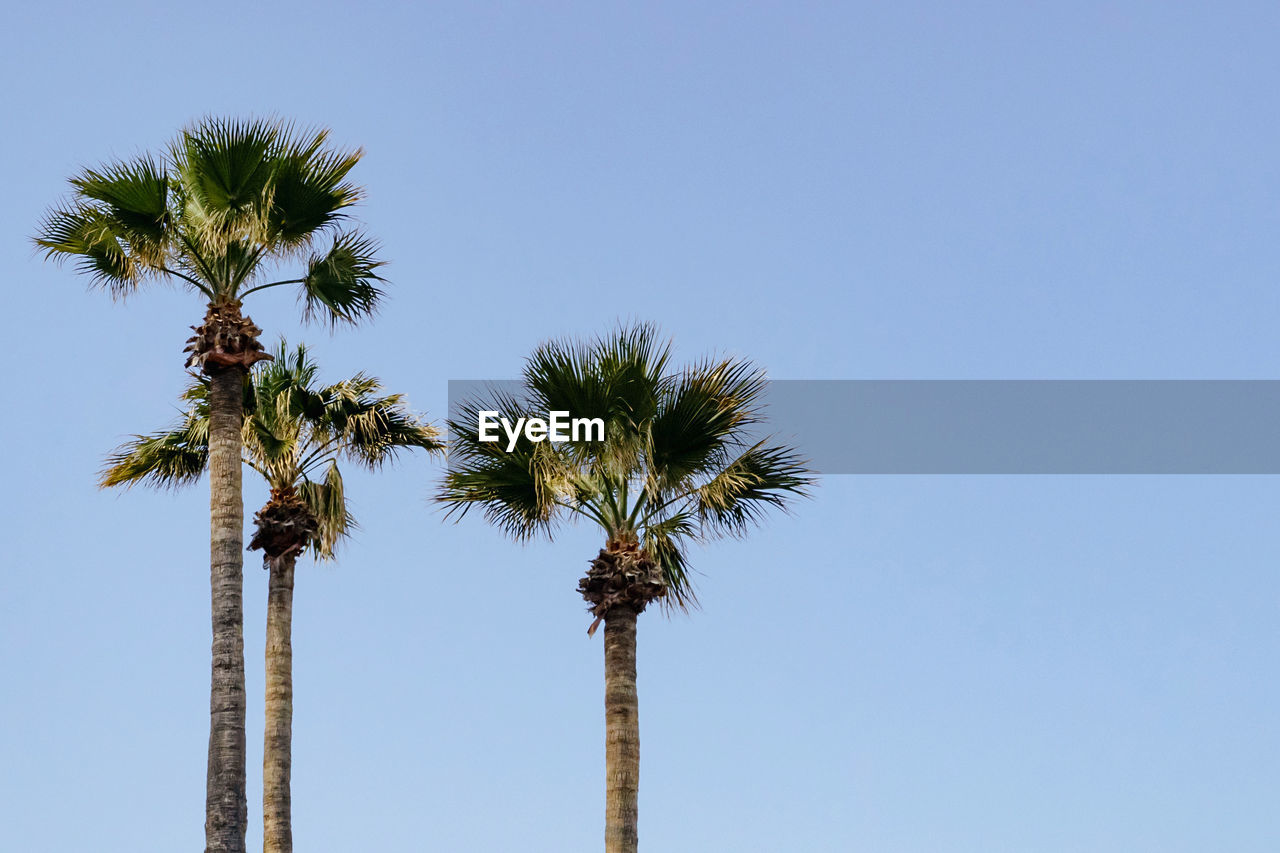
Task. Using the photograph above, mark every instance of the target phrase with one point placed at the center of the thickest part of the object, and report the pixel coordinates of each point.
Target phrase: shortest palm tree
(294, 436)
(678, 462)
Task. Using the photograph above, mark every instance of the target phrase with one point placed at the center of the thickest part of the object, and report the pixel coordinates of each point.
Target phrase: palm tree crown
(677, 462)
(225, 205)
(295, 434)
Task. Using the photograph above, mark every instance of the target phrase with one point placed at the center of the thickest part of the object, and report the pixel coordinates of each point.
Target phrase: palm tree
(676, 464)
(294, 436)
(225, 208)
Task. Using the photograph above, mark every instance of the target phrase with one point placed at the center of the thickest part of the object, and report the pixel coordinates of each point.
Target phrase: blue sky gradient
(908, 664)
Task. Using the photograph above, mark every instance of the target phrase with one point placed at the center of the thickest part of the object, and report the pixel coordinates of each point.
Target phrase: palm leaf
(328, 504)
(225, 168)
(761, 478)
(308, 192)
(511, 487)
(665, 542)
(134, 196)
(90, 237)
(342, 284)
(169, 459)
(702, 416)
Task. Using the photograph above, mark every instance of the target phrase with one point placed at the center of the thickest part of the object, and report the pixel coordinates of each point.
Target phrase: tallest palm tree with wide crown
(229, 208)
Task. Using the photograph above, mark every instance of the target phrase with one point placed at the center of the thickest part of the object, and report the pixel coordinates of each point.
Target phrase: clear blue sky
(907, 665)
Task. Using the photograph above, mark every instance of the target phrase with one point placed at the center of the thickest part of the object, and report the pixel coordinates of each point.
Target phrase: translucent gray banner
(1014, 426)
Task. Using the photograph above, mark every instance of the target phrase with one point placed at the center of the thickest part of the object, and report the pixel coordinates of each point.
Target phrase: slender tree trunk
(277, 827)
(622, 732)
(226, 810)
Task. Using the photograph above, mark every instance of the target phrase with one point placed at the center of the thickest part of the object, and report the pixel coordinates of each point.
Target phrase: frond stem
(635, 511)
(200, 261)
(317, 455)
(247, 267)
(588, 510)
(189, 280)
(272, 284)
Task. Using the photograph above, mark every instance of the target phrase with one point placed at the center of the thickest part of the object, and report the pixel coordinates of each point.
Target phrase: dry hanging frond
(622, 573)
(285, 527)
(225, 340)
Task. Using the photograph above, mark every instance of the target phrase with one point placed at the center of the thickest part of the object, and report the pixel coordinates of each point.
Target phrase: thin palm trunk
(277, 831)
(622, 731)
(226, 809)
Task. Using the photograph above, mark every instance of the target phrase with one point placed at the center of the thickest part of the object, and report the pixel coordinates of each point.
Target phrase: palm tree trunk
(226, 809)
(622, 731)
(277, 829)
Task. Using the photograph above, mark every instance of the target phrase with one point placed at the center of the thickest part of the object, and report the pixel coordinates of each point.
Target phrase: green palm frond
(88, 235)
(704, 411)
(513, 488)
(134, 197)
(169, 459)
(382, 427)
(309, 191)
(116, 227)
(225, 168)
(273, 438)
(617, 378)
(342, 284)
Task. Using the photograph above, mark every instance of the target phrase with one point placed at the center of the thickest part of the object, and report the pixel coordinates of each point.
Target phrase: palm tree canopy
(226, 204)
(677, 462)
(295, 433)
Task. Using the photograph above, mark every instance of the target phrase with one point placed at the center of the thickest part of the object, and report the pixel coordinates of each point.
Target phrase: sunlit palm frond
(616, 378)
(170, 459)
(225, 168)
(632, 360)
(701, 420)
(763, 477)
(326, 499)
(508, 492)
(559, 376)
(272, 439)
(382, 429)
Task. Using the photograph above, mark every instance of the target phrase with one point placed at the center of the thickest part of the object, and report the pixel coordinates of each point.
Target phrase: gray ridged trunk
(622, 732)
(277, 831)
(226, 809)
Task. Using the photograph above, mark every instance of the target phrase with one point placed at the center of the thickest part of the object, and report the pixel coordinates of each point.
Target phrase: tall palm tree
(294, 434)
(676, 464)
(223, 211)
